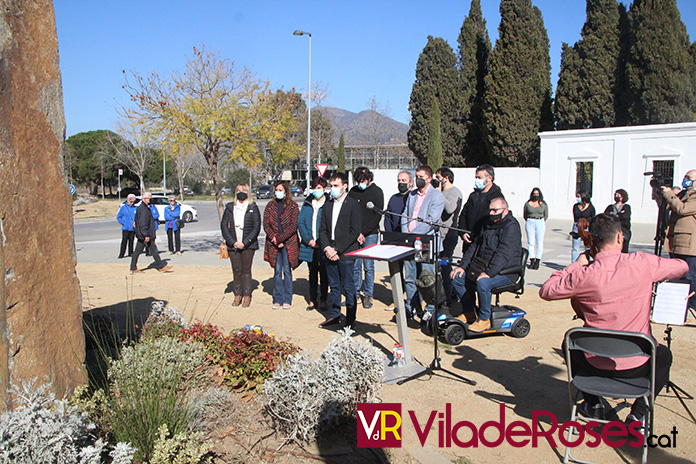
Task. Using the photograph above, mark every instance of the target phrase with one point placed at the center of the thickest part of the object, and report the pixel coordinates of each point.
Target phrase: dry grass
(98, 209)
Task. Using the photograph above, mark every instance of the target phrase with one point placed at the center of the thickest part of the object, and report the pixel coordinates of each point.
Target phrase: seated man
(614, 292)
(497, 247)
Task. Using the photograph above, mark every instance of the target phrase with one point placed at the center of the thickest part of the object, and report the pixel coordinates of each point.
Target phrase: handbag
(476, 267)
(224, 254)
(180, 223)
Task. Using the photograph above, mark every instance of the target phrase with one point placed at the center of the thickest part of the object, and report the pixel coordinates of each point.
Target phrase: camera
(659, 179)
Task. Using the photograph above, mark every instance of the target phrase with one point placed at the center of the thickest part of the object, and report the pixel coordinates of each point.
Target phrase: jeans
(483, 288)
(340, 274)
(317, 273)
(690, 276)
(151, 248)
(369, 264)
(535, 236)
(412, 270)
(575, 252)
(241, 270)
(282, 279)
(448, 246)
(176, 239)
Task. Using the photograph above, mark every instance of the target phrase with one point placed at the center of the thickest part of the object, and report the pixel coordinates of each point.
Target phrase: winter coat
(304, 227)
(682, 222)
(499, 244)
(288, 237)
(250, 231)
(126, 216)
(171, 216)
(474, 214)
(155, 215)
(144, 223)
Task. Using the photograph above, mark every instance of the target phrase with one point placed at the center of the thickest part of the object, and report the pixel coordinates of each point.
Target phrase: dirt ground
(98, 209)
(525, 374)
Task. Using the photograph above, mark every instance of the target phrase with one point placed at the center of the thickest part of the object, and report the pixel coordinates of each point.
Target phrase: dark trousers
(172, 237)
(448, 246)
(241, 269)
(127, 239)
(318, 279)
(139, 248)
(340, 274)
(663, 361)
(690, 276)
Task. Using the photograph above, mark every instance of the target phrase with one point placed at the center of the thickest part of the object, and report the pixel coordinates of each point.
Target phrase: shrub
(307, 395)
(247, 357)
(163, 321)
(45, 430)
(181, 448)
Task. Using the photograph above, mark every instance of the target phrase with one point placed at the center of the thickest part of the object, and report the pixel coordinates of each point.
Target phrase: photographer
(682, 227)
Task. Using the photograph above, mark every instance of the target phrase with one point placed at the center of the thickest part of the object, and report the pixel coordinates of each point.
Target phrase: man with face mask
(474, 214)
(497, 247)
(397, 202)
(681, 234)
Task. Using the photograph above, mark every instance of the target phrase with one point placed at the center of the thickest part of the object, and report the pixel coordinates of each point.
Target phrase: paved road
(97, 241)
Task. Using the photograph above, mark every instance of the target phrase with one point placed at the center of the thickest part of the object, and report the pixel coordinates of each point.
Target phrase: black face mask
(403, 187)
(241, 196)
(420, 183)
(535, 197)
(617, 199)
(496, 217)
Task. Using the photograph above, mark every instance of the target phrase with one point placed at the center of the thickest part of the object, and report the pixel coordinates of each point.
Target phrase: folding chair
(614, 344)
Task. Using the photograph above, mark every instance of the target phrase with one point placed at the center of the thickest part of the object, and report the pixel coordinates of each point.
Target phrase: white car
(188, 213)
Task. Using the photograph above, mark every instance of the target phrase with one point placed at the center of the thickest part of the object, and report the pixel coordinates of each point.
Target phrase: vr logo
(379, 425)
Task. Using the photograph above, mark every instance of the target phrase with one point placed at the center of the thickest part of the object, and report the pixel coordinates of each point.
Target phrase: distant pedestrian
(536, 212)
(172, 214)
(310, 251)
(146, 233)
(240, 226)
(282, 249)
(622, 209)
(126, 217)
(582, 208)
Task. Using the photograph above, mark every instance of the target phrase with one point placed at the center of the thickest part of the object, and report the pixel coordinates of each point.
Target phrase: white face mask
(336, 192)
(480, 184)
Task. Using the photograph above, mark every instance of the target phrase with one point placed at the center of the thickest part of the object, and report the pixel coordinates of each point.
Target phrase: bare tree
(377, 119)
(183, 163)
(134, 148)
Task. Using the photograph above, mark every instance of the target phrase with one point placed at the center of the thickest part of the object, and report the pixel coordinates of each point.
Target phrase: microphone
(371, 206)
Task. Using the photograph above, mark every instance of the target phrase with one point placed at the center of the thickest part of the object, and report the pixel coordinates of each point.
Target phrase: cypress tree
(474, 51)
(436, 76)
(341, 155)
(587, 97)
(660, 67)
(434, 138)
(517, 97)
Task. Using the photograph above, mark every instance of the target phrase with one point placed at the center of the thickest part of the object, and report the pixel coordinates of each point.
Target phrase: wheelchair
(505, 319)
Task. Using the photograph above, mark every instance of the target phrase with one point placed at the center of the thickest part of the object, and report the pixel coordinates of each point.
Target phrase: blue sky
(360, 48)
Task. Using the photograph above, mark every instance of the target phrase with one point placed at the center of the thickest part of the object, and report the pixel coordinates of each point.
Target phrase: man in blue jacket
(497, 247)
(425, 202)
(126, 217)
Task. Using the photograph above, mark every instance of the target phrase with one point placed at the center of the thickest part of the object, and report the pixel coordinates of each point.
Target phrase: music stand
(669, 307)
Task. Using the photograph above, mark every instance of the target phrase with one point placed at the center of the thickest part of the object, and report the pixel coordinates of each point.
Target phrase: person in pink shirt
(614, 292)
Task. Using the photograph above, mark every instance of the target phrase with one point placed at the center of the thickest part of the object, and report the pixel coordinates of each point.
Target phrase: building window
(664, 170)
(583, 177)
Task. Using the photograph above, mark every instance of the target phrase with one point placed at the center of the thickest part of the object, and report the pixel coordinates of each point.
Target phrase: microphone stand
(435, 365)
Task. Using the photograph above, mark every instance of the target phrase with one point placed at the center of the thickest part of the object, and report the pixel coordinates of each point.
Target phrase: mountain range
(362, 128)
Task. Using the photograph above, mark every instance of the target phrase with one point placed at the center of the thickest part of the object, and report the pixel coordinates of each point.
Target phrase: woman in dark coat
(282, 249)
(240, 225)
(310, 251)
(622, 209)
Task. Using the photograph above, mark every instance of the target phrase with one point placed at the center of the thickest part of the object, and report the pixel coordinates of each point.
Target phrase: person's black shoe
(330, 322)
(350, 325)
(631, 418)
(367, 302)
(120, 257)
(591, 411)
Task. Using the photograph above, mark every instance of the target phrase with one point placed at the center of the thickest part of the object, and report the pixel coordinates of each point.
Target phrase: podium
(394, 254)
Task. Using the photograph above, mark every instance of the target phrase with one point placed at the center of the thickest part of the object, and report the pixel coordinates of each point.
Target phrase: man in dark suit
(341, 221)
(146, 232)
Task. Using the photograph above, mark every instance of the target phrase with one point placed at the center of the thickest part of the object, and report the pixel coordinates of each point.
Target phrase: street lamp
(309, 102)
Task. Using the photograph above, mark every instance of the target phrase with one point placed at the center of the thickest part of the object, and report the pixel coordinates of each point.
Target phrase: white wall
(620, 155)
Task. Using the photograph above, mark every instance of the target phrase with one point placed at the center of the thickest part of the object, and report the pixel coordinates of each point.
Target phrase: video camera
(658, 180)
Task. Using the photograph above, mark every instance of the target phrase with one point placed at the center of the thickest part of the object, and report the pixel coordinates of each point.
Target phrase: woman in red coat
(282, 247)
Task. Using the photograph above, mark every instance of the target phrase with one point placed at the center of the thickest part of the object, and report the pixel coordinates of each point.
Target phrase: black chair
(610, 344)
(516, 273)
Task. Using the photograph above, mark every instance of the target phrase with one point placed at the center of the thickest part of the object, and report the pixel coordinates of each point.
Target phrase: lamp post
(309, 103)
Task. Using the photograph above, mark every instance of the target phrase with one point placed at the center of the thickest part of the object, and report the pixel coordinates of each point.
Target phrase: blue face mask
(318, 193)
(362, 186)
(578, 200)
(479, 183)
(336, 192)
(279, 195)
(687, 183)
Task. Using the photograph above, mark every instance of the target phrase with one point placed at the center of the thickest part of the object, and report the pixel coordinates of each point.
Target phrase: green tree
(434, 138)
(236, 177)
(587, 87)
(517, 97)
(660, 68)
(341, 155)
(90, 164)
(474, 51)
(436, 76)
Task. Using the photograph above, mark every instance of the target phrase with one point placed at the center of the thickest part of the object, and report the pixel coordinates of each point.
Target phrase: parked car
(225, 190)
(264, 191)
(188, 212)
(296, 191)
